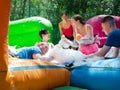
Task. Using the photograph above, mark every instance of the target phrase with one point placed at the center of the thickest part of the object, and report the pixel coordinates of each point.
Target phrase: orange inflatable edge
(4, 19)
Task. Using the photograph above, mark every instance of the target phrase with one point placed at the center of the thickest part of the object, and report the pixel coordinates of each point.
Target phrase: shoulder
(115, 31)
(89, 27)
(70, 21)
(34, 48)
(60, 23)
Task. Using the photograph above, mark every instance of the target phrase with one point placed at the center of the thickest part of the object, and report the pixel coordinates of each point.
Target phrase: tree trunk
(23, 8)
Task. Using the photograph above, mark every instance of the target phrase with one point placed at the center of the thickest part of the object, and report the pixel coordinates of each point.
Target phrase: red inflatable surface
(97, 28)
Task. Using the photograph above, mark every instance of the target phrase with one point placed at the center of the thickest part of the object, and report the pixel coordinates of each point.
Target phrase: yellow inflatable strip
(36, 75)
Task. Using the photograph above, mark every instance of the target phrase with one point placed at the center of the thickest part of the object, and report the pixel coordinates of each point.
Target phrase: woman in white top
(83, 34)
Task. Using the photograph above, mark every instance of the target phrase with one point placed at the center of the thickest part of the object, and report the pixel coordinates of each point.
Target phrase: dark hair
(63, 13)
(78, 17)
(109, 19)
(43, 31)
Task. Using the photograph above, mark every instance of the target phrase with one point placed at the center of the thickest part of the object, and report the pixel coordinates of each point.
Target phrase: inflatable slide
(25, 32)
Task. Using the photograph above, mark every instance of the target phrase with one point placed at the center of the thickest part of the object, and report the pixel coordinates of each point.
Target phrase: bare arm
(75, 32)
(103, 51)
(90, 31)
(90, 37)
(115, 52)
(60, 29)
(36, 56)
(100, 54)
(42, 57)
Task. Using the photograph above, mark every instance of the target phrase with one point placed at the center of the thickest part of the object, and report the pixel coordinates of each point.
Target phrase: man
(33, 52)
(113, 39)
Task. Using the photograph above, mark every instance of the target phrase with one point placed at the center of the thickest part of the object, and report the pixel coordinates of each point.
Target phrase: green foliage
(51, 9)
(25, 32)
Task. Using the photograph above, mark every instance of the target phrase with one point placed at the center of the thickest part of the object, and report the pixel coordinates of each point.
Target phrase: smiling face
(108, 24)
(74, 22)
(44, 47)
(46, 37)
(64, 17)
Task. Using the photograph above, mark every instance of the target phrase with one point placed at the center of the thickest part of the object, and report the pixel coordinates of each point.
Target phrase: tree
(51, 9)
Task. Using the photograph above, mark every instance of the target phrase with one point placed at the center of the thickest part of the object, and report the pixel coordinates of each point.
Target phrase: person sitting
(33, 52)
(45, 35)
(83, 34)
(113, 39)
(65, 27)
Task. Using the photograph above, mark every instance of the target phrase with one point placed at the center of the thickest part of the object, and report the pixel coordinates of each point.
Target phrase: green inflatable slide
(25, 32)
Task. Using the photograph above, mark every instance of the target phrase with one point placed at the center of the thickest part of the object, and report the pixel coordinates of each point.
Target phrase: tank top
(85, 39)
(68, 32)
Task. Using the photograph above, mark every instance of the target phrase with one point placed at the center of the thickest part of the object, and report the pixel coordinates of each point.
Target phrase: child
(45, 35)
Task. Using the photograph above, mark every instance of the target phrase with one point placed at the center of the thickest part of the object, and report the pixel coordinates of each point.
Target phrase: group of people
(76, 30)
(35, 52)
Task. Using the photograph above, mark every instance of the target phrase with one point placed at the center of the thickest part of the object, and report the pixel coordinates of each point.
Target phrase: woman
(83, 33)
(65, 27)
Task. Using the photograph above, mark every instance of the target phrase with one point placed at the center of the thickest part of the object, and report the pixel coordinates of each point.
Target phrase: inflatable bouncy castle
(20, 74)
(101, 75)
(97, 28)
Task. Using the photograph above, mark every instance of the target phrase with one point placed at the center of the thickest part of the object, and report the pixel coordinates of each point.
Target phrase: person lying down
(29, 53)
(65, 57)
(58, 55)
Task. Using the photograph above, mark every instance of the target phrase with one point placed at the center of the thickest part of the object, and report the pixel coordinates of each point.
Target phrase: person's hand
(91, 56)
(78, 37)
(38, 44)
(94, 57)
